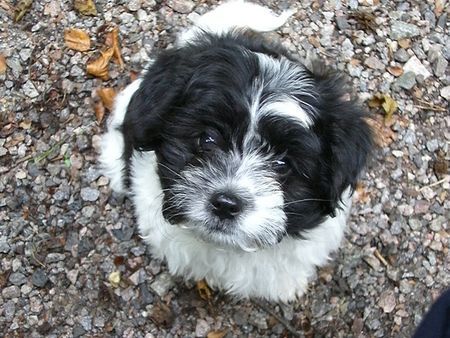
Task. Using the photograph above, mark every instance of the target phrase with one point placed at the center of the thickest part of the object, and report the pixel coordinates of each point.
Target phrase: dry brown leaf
(22, 8)
(313, 40)
(390, 107)
(99, 67)
(404, 43)
(386, 102)
(2, 65)
(204, 290)
(112, 41)
(77, 39)
(383, 134)
(162, 315)
(114, 278)
(438, 7)
(99, 110)
(362, 195)
(85, 7)
(25, 124)
(396, 70)
(107, 95)
(217, 334)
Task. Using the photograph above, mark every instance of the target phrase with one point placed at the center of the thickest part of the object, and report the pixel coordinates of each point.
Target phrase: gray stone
(445, 93)
(86, 323)
(76, 71)
(134, 5)
(162, 284)
(30, 90)
(442, 20)
(342, 23)
(432, 145)
(402, 30)
(374, 63)
(54, 257)
(407, 80)
(126, 18)
(181, 6)
(25, 54)
(437, 224)
(89, 194)
(401, 55)
(430, 17)
(12, 291)
(4, 246)
(17, 278)
(201, 328)
(92, 174)
(440, 65)
(14, 64)
(39, 278)
(414, 65)
(387, 301)
(78, 331)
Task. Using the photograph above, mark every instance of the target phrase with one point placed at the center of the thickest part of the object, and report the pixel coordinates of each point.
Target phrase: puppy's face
(250, 147)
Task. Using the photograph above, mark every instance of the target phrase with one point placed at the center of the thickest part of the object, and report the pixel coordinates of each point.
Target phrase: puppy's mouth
(224, 234)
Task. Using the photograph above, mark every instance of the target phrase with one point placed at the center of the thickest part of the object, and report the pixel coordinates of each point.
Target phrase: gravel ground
(64, 237)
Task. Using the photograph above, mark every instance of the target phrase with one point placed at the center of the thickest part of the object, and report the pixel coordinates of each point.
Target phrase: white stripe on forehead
(285, 81)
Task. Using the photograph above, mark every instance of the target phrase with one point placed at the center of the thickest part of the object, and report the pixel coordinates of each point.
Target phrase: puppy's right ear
(152, 102)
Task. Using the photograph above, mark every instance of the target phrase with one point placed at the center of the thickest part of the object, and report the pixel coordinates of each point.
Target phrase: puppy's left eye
(280, 166)
(209, 141)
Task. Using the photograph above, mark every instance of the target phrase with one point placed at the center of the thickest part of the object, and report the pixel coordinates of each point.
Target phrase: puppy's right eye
(209, 141)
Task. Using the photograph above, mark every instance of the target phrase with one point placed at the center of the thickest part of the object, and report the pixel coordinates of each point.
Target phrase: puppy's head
(251, 145)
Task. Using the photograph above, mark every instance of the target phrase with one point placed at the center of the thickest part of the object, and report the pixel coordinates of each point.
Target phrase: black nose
(225, 205)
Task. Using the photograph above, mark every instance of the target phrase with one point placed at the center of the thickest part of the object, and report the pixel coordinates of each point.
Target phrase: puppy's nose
(226, 205)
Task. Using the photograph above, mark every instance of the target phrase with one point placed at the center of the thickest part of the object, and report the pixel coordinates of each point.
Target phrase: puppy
(239, 160)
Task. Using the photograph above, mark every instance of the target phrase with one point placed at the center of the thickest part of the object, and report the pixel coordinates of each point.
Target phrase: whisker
(308, 200)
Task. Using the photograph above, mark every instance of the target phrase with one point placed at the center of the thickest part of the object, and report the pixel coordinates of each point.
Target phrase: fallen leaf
(387, 301)
(404, 43)
(314, 41)
(107, 95)
(114, 278)
(362, 195)
(438, 7)
(366, 19)
(390, 107)
(99, 110)
(112, 41)
(25, 124)
(77, 39)
(217, 334)
(2, 65)
(396, 70)
(133, 75)
(440, 165)
(22, 8)
(85, 7)
(204, 290)
(386, 102)
(383, 134)
(99, 67)
(162, 315)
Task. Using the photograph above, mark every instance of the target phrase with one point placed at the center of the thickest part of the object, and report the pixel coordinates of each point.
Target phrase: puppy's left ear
(346, 136)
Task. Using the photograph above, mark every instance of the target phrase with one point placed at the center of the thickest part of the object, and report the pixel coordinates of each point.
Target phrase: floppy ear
(150, 104)
(346, 136)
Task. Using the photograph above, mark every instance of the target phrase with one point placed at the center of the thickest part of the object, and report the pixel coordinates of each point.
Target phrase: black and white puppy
(239, 160)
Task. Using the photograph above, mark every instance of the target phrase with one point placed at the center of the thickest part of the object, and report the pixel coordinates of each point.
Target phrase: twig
(433, 108)
(377, 254)
(280, 319)
(445, 179)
